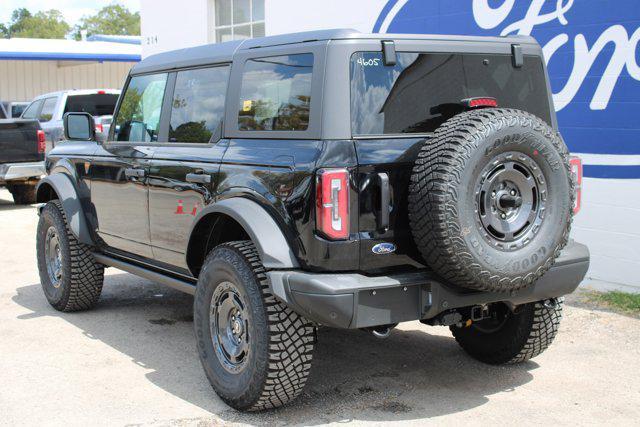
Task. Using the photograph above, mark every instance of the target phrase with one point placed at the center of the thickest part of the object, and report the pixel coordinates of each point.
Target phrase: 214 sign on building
(591, 49)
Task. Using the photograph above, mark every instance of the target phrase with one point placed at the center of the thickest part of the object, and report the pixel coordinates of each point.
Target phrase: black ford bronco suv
(326, 178)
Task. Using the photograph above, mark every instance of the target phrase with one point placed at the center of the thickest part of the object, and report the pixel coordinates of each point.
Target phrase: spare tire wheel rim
(511, 196)
(229, 327)
(53, 257)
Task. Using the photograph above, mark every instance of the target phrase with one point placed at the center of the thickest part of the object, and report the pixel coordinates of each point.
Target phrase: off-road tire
(281, 341)
(82, 277)
(525, 334)
(23, 194)
(443, 203)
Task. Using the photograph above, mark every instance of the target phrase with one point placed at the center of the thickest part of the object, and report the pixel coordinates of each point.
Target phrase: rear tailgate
(394, 111)
(19, 141)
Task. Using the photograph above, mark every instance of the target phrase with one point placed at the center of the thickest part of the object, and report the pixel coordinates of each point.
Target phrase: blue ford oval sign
(383, 248)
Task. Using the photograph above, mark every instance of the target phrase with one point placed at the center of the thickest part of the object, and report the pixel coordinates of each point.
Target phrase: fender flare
(68, 196)
(272, 246)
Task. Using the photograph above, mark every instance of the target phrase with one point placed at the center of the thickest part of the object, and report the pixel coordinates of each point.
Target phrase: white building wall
(290, 16)
(169, 24)
(24, 80)
(608, 224)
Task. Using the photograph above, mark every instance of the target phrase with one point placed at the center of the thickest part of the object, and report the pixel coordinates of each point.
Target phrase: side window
(197, 108)
(276, 93)
(31, 112)
(48, 109)
(138, 118)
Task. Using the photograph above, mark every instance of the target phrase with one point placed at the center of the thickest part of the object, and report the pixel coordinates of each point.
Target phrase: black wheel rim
(53, 257)
(511, 196)
(229, 327)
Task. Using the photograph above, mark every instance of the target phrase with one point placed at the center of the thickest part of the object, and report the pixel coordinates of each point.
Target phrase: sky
(72, 10)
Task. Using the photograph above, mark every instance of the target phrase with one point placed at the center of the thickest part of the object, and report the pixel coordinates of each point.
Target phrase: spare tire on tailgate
(491, 199)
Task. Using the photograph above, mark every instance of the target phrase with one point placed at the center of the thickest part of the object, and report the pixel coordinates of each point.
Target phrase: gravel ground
(132, 360)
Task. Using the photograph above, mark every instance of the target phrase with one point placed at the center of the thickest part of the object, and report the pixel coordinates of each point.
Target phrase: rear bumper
(358, 301)
(21, 171)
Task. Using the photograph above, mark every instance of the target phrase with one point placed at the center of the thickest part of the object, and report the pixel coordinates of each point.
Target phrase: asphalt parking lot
(132, 360)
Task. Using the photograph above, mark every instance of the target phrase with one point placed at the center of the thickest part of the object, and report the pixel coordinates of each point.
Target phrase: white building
(590, 50)
(31, 67)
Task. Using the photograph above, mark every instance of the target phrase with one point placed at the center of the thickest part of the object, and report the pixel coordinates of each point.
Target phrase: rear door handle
(199, 178)
(385, 200)
(134, 173)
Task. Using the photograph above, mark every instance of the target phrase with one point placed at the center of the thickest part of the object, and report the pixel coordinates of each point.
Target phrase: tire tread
(291, 339)
(433, 198)
(87, 275)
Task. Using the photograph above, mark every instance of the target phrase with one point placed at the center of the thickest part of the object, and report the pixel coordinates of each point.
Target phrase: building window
(238, 19)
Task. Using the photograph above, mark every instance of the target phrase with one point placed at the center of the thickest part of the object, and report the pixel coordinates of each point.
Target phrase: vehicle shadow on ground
(412, 375)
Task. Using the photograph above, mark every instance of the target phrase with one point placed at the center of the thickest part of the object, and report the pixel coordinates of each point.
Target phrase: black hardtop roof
(224, 52)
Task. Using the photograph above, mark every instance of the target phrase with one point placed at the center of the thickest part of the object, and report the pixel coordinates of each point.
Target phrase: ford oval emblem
(383, 248)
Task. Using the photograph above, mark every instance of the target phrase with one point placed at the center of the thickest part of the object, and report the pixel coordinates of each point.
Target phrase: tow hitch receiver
(479, 312)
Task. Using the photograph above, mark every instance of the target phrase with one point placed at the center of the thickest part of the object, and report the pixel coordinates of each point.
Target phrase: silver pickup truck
(49, 109)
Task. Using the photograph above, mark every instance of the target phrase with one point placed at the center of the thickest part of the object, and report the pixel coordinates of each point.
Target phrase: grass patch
(628, 303)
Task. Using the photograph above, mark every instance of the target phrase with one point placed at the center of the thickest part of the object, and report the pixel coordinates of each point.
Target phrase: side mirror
(79, 127)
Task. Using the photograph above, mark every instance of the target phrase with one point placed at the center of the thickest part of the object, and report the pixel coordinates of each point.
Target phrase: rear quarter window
(276, 93)
(423, 90)
(31, 112)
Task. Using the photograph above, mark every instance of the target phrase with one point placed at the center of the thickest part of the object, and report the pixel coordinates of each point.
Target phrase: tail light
(99, 127)
(576, 172)
(332, 203)
(483, 102)
(42, 142)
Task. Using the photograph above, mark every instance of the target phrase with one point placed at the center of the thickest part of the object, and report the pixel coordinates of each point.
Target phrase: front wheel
(255, 351)
(509, 337)
(71, 278)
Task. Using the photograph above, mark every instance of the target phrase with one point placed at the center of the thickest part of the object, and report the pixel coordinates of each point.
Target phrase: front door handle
(199, 178)
(134, 173)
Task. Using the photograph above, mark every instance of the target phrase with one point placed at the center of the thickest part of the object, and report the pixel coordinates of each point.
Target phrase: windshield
(99, 104)
(424, 89)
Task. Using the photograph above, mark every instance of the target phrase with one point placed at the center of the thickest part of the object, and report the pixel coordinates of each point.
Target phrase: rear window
(17, 109)
(276, 93)
(424, 89)
(95, 104)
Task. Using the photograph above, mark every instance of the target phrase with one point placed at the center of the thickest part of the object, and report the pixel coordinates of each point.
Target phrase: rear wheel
(255, 351)
(70, 276)
(23, 194)
(509, 337)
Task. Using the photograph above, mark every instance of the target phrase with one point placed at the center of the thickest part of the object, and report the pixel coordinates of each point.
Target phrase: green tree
(18, 19)
(4, 31)
(114, 19)
(42, 25)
